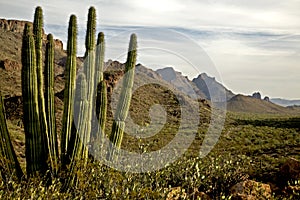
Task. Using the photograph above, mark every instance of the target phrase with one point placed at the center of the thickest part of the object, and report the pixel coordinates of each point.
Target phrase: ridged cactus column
(35, 158)
(69, 93)
(8, 157)
(89, 71)
(124, 101)
(101, 98)
(38, 36)
(100, 53)
(49, 103)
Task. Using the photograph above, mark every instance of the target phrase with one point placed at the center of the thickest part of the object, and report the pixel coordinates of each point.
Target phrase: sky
(247, 45)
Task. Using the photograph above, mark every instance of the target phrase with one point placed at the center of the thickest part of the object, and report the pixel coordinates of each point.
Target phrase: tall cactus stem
(69, 93)
(89, 71)
(35, 158)
(38, 36)
(50, 104)
(124, 101)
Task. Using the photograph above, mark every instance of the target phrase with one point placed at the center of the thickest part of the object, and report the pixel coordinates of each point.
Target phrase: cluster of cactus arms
(87, 94)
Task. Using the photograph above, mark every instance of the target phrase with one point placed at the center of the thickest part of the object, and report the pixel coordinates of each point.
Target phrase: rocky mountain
(182, 83)
(212, 89)
(285, 102)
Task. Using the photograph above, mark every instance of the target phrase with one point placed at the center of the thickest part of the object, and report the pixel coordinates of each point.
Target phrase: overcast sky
(248, 45)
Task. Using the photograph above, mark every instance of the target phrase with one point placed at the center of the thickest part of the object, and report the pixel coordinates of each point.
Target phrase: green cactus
(101, 97)
(89, 71)
(125, 98)
(101, 110)
(78, 139)
(49, 104)
(38, 37)
(35, 157)
(100, 52)
(7, 152)
(69, 93)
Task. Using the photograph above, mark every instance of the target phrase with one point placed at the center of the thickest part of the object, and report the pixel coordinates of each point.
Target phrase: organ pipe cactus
(35, 158)
(89, 71)
(69, 93)
(49, 103)
(124, 101)
(8, 157)
(38, 38)
(39, 114)
(101, 98)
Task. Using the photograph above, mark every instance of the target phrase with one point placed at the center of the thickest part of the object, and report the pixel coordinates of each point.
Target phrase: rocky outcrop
(267, 99)
(182, 83)
(212, 89)
(250, 190)
(17, 26)
(256, 95)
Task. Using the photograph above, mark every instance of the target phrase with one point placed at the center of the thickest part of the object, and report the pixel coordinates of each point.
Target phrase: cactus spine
(7, 152)
(49, 103)
(35, 158)
(69, 93)
(125, 98)
(38, 36)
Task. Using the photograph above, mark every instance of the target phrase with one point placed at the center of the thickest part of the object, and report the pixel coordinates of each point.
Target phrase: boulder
(248, 190)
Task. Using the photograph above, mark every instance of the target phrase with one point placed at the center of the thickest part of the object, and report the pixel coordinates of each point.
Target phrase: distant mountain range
(285, 102)
(202, 87)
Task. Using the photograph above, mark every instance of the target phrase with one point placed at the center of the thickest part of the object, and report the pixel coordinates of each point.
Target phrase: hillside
(241, 103)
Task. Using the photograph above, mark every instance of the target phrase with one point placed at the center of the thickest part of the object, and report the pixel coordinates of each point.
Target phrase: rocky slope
(212, 89)
(182, 83)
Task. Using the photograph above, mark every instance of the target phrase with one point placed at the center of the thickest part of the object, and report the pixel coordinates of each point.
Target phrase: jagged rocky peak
(167, 73)
(149, 72)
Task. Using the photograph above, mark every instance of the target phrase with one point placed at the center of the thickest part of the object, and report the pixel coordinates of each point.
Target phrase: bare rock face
(290, 169)
(248, 190)
(17, 26)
